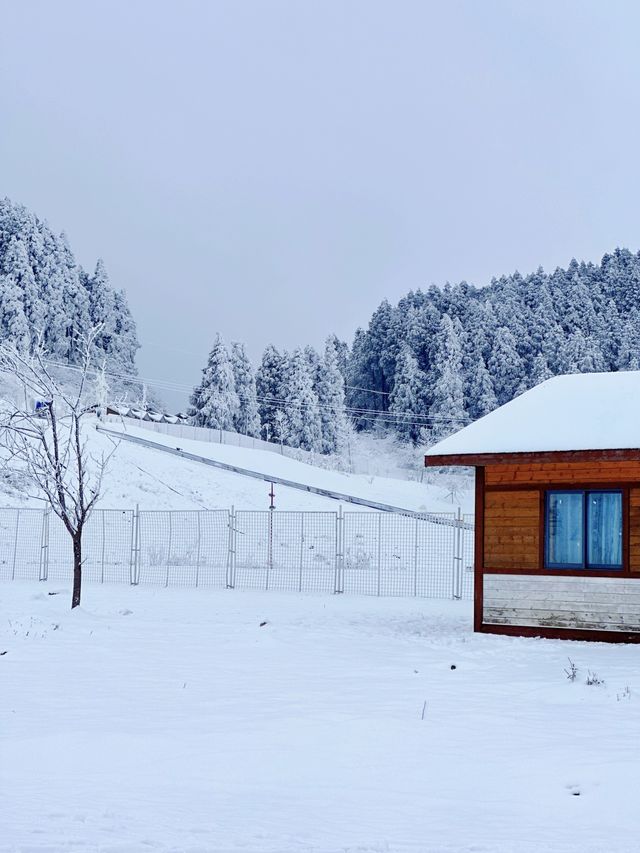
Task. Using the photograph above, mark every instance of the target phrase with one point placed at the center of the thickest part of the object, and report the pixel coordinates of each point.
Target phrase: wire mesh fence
(362, 553)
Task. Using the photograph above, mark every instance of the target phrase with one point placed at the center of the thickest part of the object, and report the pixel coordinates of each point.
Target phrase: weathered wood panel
(571, 473)
(546, 601)
(512, 530)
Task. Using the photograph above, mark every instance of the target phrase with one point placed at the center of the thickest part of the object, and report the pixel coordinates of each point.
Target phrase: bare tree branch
(42, 436)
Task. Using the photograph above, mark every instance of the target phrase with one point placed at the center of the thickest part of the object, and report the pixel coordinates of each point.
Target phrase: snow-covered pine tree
(579, 354)
(342, 352)
(101, 306)
(125, 343)
(17, 288)
(56, 294)
(247, 420)
(330, 391)
(481, 398)
(406, 398)
(540, 370)
(629, 354)
(303, 427)
(214, 403)
(505, 366)
(270, 392)
(447, 412)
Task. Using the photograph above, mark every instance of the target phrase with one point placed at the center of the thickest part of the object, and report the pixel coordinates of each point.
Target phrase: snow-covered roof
(588, 411)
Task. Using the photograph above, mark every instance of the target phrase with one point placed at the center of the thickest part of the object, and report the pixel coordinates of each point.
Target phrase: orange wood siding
(571, 473)
(634, 530)
(512, 529)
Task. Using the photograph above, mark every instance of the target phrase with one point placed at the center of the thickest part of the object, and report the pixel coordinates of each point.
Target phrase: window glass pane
(565, 529)
(604, 526)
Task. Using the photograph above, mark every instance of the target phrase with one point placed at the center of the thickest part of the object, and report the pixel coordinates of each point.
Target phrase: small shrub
(571, 671)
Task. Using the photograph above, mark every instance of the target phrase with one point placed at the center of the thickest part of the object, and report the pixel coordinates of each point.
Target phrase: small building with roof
(557, 497)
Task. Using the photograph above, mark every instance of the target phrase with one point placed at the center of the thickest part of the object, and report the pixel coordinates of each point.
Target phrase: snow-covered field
(173, 720)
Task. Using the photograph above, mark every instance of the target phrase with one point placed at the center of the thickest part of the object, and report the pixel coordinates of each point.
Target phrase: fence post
(231, 553)
(379, 551)
(457, 556)
(15, 545)
(103, 547)
(198, 551)
(338, 584)
(44, 547)
(301, 551)
(166, 582)
(415, 559)
(135, 544)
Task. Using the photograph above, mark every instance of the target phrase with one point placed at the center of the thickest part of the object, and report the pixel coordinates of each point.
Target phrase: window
(583, 530)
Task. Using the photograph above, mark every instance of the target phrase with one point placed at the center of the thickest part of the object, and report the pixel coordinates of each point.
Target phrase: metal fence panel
(21, 543)
(106, 547)
(366, 553)
(392, 554)
(183, 548)
(293, 551)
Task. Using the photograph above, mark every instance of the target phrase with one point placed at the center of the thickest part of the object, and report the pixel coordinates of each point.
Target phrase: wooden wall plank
(634, 530)
(512, 529)
(606, 471)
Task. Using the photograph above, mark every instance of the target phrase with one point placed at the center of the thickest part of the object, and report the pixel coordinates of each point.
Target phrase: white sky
(272, 170)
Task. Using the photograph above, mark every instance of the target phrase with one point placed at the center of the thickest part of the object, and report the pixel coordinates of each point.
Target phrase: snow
(590, 411)
(154, 480)
(244, 491)
(170, 720)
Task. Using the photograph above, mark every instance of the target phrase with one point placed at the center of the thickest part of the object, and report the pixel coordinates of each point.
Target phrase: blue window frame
(583, 530)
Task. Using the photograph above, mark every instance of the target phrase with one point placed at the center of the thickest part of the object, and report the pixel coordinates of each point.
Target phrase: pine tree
(540, 371)
(247, 420)
(214, 403)
(102, 306)
(480, 397)
(405, 401)
(333, 418)
(629, 354)
(303, 427)
(270, 391)
(505, 366)
(342, 353)
(447, 413)
(44, 286)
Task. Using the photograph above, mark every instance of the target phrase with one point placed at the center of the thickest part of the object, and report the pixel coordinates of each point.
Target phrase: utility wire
(383, 416)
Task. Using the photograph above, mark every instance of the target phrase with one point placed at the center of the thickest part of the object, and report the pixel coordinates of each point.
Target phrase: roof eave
(481, 459)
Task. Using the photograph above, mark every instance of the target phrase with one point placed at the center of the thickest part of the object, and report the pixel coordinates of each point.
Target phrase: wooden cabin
(557, 542)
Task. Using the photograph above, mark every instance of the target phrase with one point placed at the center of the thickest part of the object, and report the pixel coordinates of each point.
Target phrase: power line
(382, 415)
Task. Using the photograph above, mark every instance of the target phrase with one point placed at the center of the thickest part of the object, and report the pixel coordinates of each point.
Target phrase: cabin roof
(576, 412)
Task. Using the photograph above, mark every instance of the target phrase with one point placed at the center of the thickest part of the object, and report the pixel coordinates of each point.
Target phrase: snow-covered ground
(155, 480)
(174, 720)
(243, 491)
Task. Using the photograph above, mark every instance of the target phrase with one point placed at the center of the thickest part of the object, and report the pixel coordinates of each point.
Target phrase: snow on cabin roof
(588, 411)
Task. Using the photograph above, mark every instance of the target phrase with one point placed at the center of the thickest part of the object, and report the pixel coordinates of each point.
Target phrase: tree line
(444, 357)
(297, 398)
(47, 298)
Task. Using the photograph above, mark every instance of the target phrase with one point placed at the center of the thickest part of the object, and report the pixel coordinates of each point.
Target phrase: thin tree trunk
(77, 569)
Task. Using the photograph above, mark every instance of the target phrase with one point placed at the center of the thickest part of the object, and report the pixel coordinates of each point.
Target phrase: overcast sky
(273, 170)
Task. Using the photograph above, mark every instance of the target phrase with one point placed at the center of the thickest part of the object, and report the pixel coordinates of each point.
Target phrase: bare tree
(42, 436)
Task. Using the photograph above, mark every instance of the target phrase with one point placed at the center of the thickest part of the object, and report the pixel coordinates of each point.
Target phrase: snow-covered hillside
(200, 721)
(155, 480)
